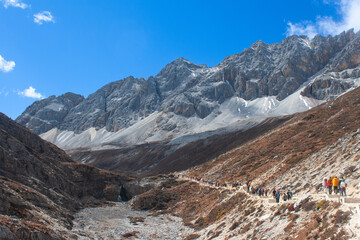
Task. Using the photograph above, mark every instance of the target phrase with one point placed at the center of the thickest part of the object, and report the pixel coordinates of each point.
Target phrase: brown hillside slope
(296, 155)
(41, 187)
(288, 145)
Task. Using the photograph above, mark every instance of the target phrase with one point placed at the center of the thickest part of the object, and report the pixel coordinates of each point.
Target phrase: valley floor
(121, 222)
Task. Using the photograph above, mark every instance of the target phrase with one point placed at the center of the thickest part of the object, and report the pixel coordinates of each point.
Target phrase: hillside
(296, 155)
(41, 187)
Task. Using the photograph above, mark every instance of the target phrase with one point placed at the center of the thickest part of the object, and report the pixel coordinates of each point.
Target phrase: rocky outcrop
(189, 89)
(41, 187)
(49, 113)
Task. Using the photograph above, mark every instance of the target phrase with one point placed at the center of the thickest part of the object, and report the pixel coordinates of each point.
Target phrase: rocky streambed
(122, 222)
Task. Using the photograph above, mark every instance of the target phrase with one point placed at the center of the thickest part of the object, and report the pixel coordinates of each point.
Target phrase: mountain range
(187, 102)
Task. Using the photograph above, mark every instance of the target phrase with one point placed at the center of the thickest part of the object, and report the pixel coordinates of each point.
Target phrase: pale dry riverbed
(114, 222)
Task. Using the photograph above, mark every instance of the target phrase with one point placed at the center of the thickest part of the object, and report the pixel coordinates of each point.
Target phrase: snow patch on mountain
(55, 107)
(234, 113)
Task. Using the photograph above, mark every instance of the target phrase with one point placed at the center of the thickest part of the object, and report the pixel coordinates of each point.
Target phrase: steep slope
(41, 186)
(297, 155)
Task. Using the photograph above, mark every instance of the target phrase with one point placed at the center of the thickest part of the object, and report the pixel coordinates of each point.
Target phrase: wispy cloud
(31, 92)
(44, 16)
(349, 11)
(4, 93)
(6, 66)
(14, 3)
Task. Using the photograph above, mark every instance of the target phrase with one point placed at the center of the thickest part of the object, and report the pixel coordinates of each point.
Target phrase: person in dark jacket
(278, 196)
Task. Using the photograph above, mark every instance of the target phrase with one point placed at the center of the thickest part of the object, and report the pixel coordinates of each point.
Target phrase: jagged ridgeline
(186, 102)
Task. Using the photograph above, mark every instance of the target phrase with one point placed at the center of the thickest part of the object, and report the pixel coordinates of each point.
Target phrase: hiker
(343, 187)
(274, 193)
(329, 185)
(325, 184)
(278, 196)
(285, 197)
(341, 179)
(289, 195)
(249, 185)
(335, 183)
(262, 191)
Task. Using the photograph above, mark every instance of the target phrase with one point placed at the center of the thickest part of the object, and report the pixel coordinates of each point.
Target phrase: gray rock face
(189, 89)
(114, 106)
(49, 113)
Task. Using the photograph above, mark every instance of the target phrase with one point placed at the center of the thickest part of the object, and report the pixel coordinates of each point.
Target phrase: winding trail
(271, 201)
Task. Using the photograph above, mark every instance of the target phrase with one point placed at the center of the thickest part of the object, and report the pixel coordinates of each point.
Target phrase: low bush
(308, 206)
(321, 205)
(234, 226)
(342, 217)
(192, 236)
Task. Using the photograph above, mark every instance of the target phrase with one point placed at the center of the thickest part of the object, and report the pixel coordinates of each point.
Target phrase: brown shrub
(288, 228)
(202, 222)
(323, 204)
(220, 214)
(216, 234)
(342, 217)
(293, 217)
(259, 223)
(308, 206)
(135, 220)
(234, 226)
(246, 228)
(130, 234)
(192, 236)
(348, 171)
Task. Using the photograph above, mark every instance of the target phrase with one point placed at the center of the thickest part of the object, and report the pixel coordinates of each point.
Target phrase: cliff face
(41, 186)
(49, 113)
(189, 89)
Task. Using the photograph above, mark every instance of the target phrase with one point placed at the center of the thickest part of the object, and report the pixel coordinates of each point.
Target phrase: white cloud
(6, 66)
(14, 3)
(44, 16)
(349, 11)
(31, 92)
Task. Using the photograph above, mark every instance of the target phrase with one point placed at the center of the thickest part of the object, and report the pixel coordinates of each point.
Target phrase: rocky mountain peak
(50, 112)
(328, 66)
(180, 64)
(259, 44)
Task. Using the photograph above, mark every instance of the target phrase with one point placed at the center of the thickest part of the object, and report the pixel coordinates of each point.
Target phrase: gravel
(114, 222)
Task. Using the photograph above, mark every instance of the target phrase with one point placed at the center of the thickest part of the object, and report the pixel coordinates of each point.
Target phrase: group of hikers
(276, 193)
(333, 184)
(287, 195)
(216, 184)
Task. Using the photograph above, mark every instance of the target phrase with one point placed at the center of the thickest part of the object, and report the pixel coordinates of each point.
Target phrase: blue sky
(53, 47)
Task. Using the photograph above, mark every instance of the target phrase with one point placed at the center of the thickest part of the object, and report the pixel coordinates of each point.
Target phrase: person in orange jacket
(329, 185)
(335, 183)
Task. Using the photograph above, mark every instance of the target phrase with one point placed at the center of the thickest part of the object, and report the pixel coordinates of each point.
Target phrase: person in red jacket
(330, 185)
